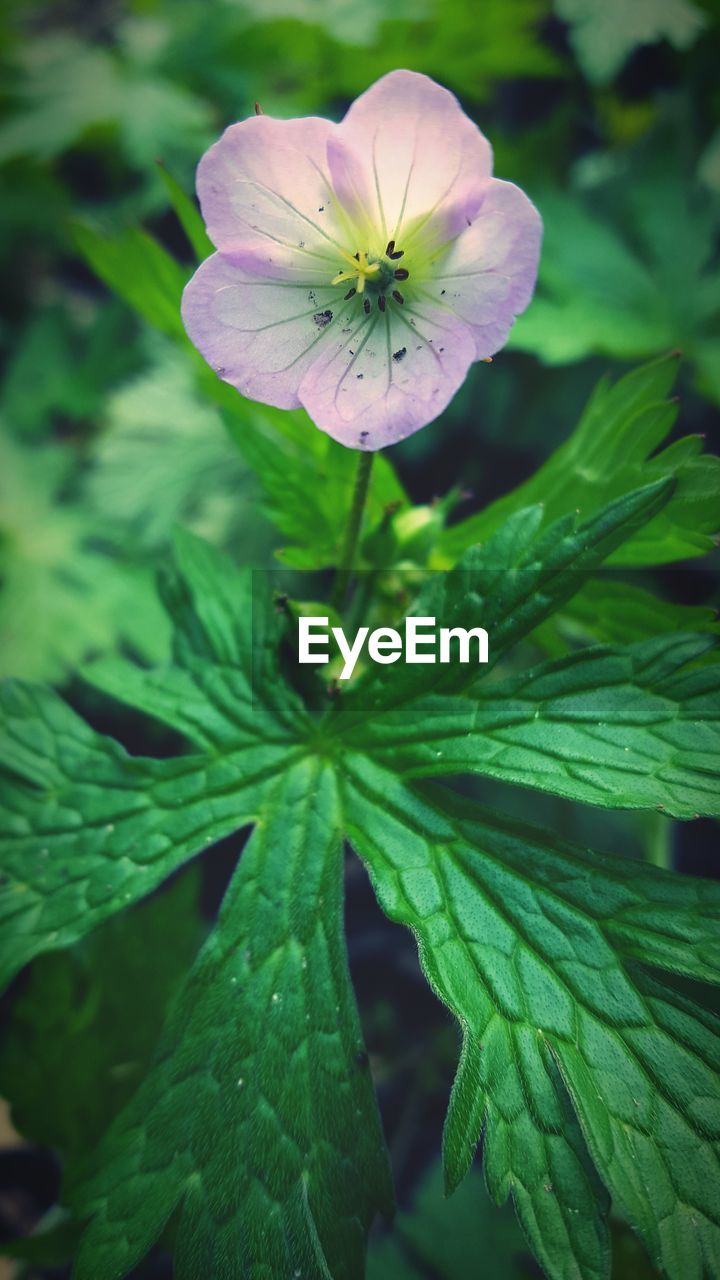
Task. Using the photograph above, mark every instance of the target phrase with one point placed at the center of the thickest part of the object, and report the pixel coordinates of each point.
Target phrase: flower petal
(422, 158)
(267, 199)
(487, 275)
(389, 376)
(260, 335)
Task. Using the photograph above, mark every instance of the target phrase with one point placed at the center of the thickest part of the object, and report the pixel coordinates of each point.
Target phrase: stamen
(399, 253)
(350, 294)
(401, 274)
(390, 248)
(366, 305)
(381, 302)
(360, 270)
(398, 297)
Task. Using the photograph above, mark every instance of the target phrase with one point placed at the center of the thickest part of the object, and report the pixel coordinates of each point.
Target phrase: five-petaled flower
(363, 266)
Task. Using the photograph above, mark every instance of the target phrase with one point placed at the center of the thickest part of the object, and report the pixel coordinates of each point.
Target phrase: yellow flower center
(360, 270)
(382, 277)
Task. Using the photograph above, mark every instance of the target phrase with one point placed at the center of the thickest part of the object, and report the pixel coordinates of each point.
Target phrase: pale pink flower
(363, 266)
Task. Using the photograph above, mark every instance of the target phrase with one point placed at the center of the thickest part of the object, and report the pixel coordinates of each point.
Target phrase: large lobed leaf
(537, 948)
(90, 829)
(258, 1118)
(636, 728)
(256, 1122)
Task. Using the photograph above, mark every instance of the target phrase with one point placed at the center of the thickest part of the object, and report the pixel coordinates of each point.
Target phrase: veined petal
(487, 275)
(261, 335)
(267, 199)
(408, 151)
(392, 373)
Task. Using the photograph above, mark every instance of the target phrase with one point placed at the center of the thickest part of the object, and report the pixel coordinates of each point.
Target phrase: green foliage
(306, 480)
(604, 34)
(188, 214)
(586, 1074)
(137, 268)
(69, 1037)
(258, 1116)
(440, 1235)
(508, 585)
(163, 457)
(62, 597)
(630, 283)
(81, 356)
(616, 612)
(526, 941)
(141, 819)
(69, 88)
(612, 451)
(635, 728)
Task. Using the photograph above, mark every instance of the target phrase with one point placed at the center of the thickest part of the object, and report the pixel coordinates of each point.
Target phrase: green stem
(352, 531)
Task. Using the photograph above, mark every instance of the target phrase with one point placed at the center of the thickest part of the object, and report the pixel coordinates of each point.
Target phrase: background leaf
(603, 34)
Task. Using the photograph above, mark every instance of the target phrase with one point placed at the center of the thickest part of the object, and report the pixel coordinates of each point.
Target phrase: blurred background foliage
(606, 111)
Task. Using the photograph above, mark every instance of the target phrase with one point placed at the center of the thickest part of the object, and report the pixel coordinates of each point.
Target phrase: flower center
(377, 278)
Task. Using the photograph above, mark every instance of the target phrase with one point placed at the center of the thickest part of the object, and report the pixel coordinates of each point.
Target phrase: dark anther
(390, 248)
(356, 256)
(398, 296)
(381, 302)
(366, 305)
(401, 274)
(350, 294)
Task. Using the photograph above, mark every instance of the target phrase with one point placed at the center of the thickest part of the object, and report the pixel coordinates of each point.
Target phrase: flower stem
(352, 530)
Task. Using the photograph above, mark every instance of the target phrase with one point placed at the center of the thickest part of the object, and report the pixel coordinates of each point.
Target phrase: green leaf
(536, 946)
(74, 799)
(62, 597)
(137, 268)
(440, 1235)
(257, 1121)
(68, 1036)
(80, 361)
(163, 458)
(605, 32)
(188, 214)
(306, 478)
(611, 452)
(637, 728)
(617, 612)
(65, 88)
(630, 285)
(508, 586)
